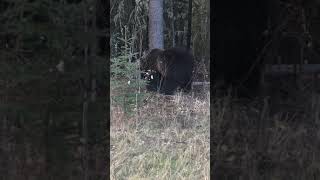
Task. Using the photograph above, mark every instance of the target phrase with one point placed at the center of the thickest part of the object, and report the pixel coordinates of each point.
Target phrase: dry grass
(275, 138)
(168, 138)
(271, 138)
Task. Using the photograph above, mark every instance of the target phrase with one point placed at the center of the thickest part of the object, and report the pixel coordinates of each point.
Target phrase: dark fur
(172, 69)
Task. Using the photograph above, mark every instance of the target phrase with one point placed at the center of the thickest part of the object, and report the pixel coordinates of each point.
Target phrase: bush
(126, 82)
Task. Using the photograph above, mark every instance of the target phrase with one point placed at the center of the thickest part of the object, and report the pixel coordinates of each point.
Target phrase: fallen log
(200, 83)
(287, 69)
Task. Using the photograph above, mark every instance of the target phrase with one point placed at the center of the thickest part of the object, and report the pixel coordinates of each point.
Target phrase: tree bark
(189, 24)
(173, 24)
(156, 24)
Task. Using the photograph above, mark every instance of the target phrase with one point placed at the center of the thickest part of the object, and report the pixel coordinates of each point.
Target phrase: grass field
(273, 137)
(168, 139)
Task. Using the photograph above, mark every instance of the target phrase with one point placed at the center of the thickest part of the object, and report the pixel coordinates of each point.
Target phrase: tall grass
(167, 139)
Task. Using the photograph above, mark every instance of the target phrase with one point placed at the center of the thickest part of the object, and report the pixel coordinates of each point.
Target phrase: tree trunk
(87, 62)
(189, 25)
(173, 24)
(156, 24)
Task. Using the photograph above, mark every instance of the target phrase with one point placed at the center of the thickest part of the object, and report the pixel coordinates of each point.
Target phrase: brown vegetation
(167, 138)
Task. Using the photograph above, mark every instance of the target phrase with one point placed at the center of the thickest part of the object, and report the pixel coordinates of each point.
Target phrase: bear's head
(158, 60)
(149, 61)
(171, 68)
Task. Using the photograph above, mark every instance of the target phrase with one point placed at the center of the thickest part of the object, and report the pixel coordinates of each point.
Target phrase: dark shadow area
(54, 89)
(265, 90)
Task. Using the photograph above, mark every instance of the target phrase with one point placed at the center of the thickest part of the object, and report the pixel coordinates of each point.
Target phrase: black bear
(168, 70)
(239, 29)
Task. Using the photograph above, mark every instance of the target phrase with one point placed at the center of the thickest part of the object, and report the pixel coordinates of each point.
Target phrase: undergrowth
(168, 138)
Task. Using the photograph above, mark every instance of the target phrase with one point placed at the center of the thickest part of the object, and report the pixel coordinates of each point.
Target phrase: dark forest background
(53, 89)
(275, 135)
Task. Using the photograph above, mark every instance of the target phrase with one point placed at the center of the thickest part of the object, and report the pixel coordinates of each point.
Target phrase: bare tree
(189, 24)
(156, 24)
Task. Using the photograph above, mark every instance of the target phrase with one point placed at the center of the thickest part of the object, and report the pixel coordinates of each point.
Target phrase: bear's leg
(168, 87)
(187, 87)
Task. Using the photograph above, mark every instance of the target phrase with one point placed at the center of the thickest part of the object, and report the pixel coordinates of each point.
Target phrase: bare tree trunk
(85, 104)
(156, 24)
(189, 24)
(173, 24)
(46, 123)
(85, 137)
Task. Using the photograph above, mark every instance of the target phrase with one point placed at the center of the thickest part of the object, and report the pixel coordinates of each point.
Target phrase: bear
(169, 69)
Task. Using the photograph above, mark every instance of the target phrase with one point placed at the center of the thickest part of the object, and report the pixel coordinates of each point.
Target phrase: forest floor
(168, 139)
(274, 137)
